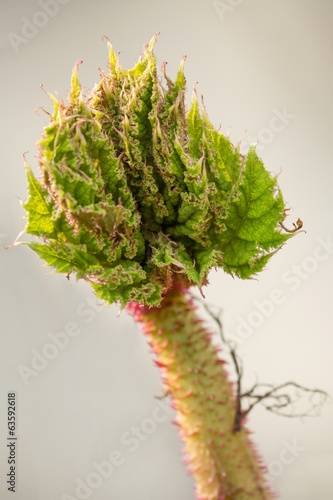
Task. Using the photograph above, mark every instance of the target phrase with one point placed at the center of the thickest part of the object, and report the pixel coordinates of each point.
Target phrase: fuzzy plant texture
(136, 189)
(142, 197)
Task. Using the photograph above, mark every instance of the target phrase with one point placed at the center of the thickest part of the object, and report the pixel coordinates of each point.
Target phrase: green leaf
(254, 211)
(66, 258)
(39, 209)
(195, 128)
(127, 281)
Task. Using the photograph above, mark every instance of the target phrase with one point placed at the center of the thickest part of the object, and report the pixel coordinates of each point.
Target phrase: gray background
(251, 59)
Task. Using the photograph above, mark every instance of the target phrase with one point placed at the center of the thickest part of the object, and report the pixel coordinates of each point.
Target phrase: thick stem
(223, 461)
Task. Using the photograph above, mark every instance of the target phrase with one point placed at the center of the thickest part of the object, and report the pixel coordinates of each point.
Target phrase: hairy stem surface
(222, 461)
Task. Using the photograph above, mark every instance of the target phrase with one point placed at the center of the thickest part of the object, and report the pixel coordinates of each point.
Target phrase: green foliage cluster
(136, 191)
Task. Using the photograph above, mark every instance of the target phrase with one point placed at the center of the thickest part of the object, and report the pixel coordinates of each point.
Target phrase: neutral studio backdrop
(265, 70)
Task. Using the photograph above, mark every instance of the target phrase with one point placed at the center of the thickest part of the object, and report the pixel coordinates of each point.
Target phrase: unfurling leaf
(137, 192)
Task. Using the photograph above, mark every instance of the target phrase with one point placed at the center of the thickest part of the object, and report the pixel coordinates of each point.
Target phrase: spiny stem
(223, 461)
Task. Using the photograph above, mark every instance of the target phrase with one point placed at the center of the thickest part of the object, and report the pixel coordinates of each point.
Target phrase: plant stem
(222, 460)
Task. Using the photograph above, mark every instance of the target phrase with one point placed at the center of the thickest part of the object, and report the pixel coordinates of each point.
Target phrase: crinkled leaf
(65, 258)
(137, 193)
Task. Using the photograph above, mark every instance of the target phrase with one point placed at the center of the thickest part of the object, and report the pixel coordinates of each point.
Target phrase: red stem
(222, 460)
